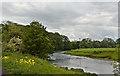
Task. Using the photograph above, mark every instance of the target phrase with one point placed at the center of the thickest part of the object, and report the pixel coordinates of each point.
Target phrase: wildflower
(26, 57)
(26, 62)
(21, 60)
(29, 60)
(5, 57)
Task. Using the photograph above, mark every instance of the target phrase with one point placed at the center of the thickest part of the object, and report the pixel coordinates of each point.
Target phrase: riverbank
(15, 63)
(86, 63)
(99, 53)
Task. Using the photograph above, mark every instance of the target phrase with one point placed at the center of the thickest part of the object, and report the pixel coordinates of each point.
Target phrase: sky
(95, 20)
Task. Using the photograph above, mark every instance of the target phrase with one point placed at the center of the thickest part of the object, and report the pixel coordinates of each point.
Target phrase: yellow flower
(29, 60)
(32, 60)
(26, 57)
(21, 60)
(28, 63)
(25, 61)
(5, 57)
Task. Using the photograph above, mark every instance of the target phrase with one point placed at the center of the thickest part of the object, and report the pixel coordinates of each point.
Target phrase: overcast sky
(94, 20)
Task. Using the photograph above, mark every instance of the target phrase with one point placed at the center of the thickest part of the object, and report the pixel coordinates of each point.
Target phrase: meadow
(15, 63)
(101, 53)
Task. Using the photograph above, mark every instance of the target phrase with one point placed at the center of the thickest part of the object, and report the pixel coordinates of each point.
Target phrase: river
(91, 65)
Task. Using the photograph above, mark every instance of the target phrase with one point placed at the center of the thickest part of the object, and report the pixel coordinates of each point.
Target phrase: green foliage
(76, 45)
(57, 41)
(102, 53)
(88, 43)
(66, 41)
(107, 43)
(36, 41)
(32, 39)
(86, 40)
(96, 44)
(13, 31)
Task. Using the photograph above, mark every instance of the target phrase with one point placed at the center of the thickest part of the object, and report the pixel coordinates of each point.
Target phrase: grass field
(15, 63)
(102, 53)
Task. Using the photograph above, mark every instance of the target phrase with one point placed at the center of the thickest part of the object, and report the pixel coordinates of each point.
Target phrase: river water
(91, 65)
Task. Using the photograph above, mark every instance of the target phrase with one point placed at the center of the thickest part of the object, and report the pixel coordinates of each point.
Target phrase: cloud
(74, 19)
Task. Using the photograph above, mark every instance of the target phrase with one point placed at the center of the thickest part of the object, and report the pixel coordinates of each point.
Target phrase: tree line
(36, 40)
(63, 43)
(88, 43)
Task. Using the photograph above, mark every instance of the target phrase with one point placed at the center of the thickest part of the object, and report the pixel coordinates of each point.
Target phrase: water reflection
(87, 64)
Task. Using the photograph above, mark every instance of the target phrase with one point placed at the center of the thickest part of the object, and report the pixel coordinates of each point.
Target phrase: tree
(57, 41)
(86, 40)
(36, 41)
(107, 43)
(10, 31)
(67, 44)
(96, 44)
(32, 39)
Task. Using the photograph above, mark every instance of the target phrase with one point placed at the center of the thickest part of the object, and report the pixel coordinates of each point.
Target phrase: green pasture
(102, 53)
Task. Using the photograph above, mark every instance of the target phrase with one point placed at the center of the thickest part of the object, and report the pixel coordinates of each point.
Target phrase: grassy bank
(101, 53)
(14, 63)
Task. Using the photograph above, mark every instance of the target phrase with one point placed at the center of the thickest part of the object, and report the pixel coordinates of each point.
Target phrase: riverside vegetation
(25, 49)
(101, 53)
(28, 64)
(14, 63)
